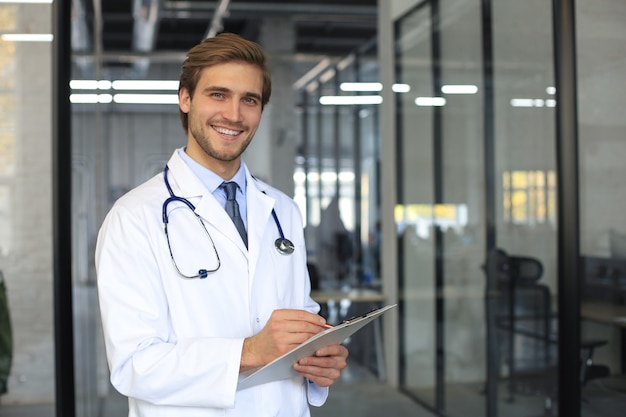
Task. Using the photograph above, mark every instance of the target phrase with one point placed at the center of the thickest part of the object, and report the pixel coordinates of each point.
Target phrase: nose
(232, 110)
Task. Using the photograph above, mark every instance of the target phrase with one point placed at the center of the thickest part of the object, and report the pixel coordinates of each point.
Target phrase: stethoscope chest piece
(284, 246)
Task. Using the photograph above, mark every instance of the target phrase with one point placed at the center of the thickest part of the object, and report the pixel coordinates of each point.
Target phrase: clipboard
(282, 367)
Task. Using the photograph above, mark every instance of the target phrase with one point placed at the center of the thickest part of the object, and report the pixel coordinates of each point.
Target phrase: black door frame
(65, 404)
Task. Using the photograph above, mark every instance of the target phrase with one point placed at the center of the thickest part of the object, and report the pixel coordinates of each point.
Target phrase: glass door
(419, 325)
(601, 106)
(476, 213)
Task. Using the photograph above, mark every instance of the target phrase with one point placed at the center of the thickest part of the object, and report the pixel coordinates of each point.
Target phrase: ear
(184, 100)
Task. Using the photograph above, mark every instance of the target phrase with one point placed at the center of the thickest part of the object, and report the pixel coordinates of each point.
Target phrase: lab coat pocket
(289, 279)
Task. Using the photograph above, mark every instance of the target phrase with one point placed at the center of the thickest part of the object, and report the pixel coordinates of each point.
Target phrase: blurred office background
(462, 158)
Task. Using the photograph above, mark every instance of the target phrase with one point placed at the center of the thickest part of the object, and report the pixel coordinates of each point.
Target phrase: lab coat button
(258, 320)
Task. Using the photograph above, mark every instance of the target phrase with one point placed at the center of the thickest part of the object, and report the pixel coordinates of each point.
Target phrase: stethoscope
(282, 244)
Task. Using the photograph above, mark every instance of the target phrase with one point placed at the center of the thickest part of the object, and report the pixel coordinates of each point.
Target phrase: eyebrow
(228, 90)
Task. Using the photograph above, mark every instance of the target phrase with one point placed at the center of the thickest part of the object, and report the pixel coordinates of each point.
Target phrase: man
(189, 304)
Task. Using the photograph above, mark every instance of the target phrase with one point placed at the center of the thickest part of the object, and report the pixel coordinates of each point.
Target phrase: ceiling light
(312, 73)
(27, 37)
(146, 98)
(400, 88)
(145, 85)
(532, 102)
(361, 86)
(310, 88)
(327, 76)
(459, 89)
(90, 98)
(522, 102)
(27, 1)
(350, 100)
(430, 101)
(90, 85)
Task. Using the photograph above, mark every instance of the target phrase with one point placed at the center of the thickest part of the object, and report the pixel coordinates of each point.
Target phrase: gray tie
(232, 208)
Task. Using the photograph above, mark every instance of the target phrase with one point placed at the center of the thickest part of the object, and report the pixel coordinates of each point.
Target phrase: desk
(356, 295)
(606, 313)
(375, 299)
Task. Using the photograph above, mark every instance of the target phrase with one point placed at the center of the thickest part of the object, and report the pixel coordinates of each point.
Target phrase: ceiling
(136, 33)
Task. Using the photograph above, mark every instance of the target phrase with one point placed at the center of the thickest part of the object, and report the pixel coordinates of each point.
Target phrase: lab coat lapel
(186, 184)
(260, 208)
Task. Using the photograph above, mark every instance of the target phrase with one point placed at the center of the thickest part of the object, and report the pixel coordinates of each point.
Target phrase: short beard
(205, 144)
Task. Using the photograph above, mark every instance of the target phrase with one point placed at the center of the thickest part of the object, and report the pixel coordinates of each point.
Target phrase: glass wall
(413, 213)
(524, 166)
(476, 206)
(114, 147)
(27, 371)
(340, 155)
(601, 108)
(367, 182)
(493, 154)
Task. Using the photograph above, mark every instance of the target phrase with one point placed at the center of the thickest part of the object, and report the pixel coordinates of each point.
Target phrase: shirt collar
(210, 179)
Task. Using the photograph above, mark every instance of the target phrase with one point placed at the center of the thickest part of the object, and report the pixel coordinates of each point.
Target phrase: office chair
(525, 318)
(524, 322)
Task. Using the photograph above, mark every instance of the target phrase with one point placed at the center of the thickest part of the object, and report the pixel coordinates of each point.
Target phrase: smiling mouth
(226, 131)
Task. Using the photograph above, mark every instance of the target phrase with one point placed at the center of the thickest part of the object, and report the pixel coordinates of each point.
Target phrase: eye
(217, 95)
(250, 100)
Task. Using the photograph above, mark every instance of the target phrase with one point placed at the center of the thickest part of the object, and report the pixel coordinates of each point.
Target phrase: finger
(297, 321)
(300, 316)
(332, 350)
(325, 362)
(322, 376)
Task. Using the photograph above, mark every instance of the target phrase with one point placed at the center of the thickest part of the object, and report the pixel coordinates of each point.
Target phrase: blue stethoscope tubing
(283, 245)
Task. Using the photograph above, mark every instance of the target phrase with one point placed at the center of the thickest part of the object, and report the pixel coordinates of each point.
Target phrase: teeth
(229, 132)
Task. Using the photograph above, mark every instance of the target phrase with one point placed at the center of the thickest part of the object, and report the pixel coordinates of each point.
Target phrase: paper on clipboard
(282, 367)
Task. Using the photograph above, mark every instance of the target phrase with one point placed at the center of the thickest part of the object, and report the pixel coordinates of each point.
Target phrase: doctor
(189, 304)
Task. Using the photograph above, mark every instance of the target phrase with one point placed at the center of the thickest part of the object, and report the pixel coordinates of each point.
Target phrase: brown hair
(223, 48)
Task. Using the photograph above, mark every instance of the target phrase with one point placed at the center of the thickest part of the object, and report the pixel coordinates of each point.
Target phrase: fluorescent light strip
(27, 1)
(373, 86)
(145, 85)
(350, 100)
(361, 86)
(532, 102)
(430, 101)
(400, 88)
(124, 98)
(27, 37)
(459, 89)
(90, 98)
(90, 85)
(124, 85)
(327, 76)
(522, 102)
(146, 98)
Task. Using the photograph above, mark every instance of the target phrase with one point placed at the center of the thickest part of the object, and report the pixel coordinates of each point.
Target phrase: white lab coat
(174, 344)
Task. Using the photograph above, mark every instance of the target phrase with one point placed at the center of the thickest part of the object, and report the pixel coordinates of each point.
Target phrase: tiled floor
(357, 393)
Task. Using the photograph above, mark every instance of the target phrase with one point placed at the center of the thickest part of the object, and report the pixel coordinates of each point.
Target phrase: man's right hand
(285, 330)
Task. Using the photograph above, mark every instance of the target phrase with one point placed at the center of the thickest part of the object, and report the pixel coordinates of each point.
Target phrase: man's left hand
(324, 368)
